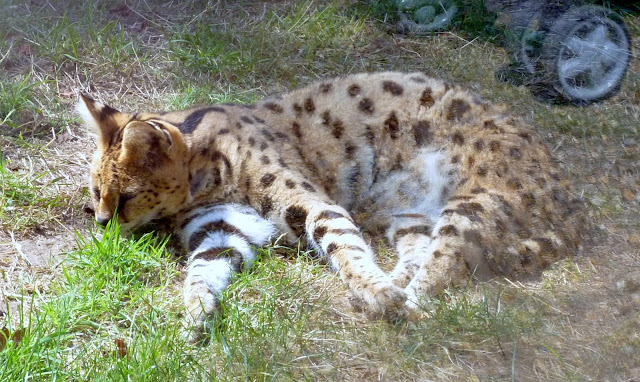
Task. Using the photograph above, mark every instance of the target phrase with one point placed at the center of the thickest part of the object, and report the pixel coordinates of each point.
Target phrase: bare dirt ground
(591, 321)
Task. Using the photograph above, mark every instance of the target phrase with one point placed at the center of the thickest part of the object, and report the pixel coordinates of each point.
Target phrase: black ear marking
(103, 119)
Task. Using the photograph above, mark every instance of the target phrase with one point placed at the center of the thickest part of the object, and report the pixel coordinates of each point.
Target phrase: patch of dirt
(27, 266)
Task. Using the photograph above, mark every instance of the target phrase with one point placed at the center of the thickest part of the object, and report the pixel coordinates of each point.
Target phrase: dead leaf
(25, 49)
(627, 194)
(5, 335)
(121, 347)
(65, 137)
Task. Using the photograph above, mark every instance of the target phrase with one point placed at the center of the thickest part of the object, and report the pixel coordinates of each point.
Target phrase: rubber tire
(440, 22)
(553, 46)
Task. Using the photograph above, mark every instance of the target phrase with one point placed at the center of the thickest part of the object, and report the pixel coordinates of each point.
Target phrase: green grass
(277, 322)
(244, 53)
(16, 97)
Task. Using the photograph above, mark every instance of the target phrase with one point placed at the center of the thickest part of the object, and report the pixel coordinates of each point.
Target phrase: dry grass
(290, 319)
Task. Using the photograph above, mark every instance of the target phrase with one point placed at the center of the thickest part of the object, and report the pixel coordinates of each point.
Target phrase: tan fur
(348, 152)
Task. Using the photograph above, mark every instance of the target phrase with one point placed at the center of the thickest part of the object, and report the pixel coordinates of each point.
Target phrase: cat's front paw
(201, 305)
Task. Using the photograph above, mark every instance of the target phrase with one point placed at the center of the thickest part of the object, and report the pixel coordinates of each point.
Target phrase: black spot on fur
(267, 134)
(350, 150)
(319, 233)
(297, 109)
(369, 135)
(478, 190)
(366, 106)
(257, 119)
(426, 99)
(309, 106)
(263, 146)
(353, 90)
(267, 180)
(295, 217)
(468, 209)
(274, 107)
(398, 163)
(281, 136)
(290, 183)
(490, 124)
(415, 230)
(514, 184)
(422, 132)
(448, 230)
(526, 136)
(326, 88)
(515, 153)
(478, 145)
(494, 146)
(457, 109)
(246, 119)
(337, 128)
(265, 159)
(344, 231)
(307, 186)
(266, 205)
(392, 126)
(252, 141)
(457, 138)
(329, 215)
(223, 131)
(528, 199)
(326, 117)
(392, 87)
(296, 130)
(419, 80)
(461, 197)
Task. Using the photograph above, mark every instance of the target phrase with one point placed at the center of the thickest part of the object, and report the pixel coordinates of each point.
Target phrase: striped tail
(220, 241)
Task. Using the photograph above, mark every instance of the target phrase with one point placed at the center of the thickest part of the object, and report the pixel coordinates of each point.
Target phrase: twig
(18, 247)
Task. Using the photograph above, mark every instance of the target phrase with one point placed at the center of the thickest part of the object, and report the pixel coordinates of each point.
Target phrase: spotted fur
(456, 185)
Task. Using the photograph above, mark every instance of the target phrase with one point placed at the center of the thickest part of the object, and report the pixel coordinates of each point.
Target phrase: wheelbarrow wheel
(586, 54)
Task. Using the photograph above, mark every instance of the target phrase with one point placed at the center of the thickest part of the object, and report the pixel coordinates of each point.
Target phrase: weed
(16, 98)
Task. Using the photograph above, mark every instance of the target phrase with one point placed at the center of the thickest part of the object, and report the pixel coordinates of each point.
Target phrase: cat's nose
(103, 218)
(102, 221)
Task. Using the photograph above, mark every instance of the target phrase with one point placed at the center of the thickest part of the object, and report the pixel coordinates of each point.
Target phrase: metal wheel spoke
(612, 53)
(573, 67)
(577, 45)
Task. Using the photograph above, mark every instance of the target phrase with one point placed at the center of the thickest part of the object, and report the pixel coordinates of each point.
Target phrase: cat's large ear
(103, 119)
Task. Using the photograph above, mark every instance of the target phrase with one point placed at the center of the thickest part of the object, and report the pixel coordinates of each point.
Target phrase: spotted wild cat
(455, 184)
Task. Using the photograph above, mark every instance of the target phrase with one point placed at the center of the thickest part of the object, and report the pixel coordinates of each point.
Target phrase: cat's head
(138, 169)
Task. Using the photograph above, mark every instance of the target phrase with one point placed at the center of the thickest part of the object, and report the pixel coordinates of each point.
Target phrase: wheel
(586, 53)
(425, 16)
(530, 49)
